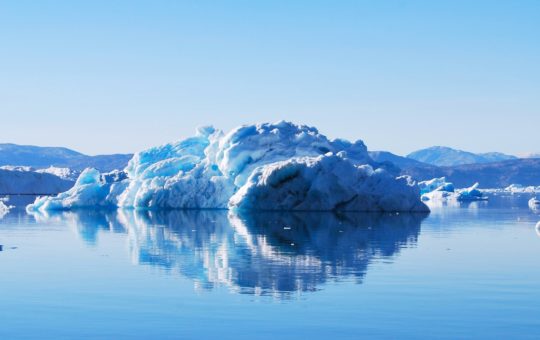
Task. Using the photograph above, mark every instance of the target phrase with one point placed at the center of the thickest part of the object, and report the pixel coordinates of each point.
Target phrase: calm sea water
(464, 271)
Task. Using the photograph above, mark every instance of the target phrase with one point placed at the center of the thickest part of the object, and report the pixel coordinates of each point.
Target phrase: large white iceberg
(279, 166)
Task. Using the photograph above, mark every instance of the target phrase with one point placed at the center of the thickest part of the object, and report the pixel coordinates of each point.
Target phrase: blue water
(464, 271)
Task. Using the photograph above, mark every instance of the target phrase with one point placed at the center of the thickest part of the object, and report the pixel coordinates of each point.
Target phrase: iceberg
(514, 189)
(28, 181)
(436, 189)
(63, 173)
(520, 189)
(471, 194)
(439, 184)
(279, 166)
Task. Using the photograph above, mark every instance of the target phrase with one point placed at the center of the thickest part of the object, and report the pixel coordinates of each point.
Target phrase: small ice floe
(534, 204)
(515, 189)
(538, 228)
(436, 189)
(435, 184)
(520, 189)
(471, 194)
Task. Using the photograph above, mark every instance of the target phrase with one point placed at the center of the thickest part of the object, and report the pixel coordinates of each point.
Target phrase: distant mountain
(44, 157)
(400, 161)
(499, 174)
(489, 175)
(445, 156)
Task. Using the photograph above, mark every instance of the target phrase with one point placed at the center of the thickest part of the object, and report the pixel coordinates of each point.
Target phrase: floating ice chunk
(439, 184)
(213, 170)
(471, 194)
(514, 187)
(436, 189)
(518, 189)
(326, 182)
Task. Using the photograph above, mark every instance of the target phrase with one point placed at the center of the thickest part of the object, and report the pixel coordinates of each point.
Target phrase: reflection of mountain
(264, 253)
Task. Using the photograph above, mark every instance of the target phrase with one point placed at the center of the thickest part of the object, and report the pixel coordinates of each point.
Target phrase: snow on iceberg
(279, 166)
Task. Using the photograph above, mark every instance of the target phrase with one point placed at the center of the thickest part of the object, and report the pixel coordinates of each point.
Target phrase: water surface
(464, 271)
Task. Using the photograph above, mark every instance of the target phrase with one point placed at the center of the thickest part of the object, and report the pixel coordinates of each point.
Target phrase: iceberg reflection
(259, 253)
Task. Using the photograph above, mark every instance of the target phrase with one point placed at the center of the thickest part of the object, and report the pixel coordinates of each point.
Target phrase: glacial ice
(471, 194)
(280, 166)
(438, 189)
(326, 182)
(439, 184)
(63, 173)
(26, 180)
(520, 189)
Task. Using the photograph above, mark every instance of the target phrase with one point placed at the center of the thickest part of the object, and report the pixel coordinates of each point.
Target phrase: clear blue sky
(119, 76)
